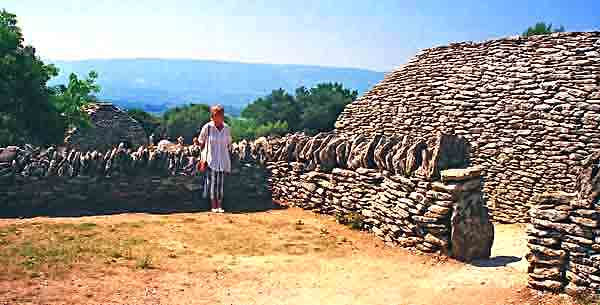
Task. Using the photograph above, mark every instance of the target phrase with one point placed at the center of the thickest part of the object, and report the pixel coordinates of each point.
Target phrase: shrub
(144, 262)
(353, 220)
(542, 28)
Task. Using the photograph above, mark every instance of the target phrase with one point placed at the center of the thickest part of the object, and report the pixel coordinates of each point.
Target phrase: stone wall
(402, 188)
(110, 126)
(406, 189)
(35, 181)
(530, 107)
(564, 236)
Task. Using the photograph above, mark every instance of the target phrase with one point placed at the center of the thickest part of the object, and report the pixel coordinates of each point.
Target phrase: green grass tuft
(354, 221)
(144, 262)
(86, 226)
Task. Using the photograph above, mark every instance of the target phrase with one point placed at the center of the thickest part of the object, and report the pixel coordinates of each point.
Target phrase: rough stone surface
(472, 231)
(462, 174)
(402, 202)
(529, 106)
(110, 126)
(51, 182)
(564, 236)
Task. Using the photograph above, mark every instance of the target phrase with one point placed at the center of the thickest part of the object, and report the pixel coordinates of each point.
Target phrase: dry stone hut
(530, 107)
(110, 126)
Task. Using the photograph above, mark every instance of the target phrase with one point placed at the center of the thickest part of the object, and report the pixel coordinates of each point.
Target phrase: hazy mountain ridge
(155, 84)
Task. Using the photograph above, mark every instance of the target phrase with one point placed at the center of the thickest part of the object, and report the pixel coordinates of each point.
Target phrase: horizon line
(214, 61)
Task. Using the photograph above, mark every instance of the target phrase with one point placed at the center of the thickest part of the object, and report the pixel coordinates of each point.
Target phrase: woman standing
(215, 139)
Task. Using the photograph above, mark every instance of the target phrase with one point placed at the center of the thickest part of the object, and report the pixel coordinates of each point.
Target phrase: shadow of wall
(44, 185)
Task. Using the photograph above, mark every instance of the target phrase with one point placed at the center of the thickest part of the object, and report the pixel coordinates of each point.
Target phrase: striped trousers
(213, 184)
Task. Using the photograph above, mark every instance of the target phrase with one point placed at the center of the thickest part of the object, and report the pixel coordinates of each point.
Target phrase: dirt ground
(287, 256)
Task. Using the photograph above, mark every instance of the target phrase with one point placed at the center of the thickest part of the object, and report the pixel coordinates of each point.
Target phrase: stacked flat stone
(110, 126)
(549, 224)
(325, 151)
(35, 181)
(529, 106)
(393, 182)
(33, 162)
(10, 157)
(34, 178)
(564, 236)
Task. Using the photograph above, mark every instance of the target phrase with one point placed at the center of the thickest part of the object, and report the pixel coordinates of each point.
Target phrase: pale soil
(277, 257)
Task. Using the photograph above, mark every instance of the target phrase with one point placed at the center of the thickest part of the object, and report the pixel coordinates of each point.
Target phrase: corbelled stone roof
(110, 126)
(529, 106)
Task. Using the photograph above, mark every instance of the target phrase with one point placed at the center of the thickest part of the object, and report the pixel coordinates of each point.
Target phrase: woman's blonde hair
(216, 109)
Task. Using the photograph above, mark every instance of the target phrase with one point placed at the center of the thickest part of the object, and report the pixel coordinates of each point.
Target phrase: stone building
(110, 126)
(530, 107)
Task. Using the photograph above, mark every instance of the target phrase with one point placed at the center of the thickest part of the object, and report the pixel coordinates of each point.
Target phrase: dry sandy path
(360, 270)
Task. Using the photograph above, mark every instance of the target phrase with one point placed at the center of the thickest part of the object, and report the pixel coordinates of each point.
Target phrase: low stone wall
(412, 202)
(35, 181)
(38, 162)
(404, 188)
(55, 196)
(564, 236)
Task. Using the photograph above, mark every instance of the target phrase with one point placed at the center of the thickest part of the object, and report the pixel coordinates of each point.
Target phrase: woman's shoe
(215, 210)
(220, 210)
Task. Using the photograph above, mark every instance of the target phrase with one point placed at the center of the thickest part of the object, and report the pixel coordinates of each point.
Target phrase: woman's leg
(211, 189)
(220, 179)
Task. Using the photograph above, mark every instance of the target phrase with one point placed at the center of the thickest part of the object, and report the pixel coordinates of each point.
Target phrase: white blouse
(218, 146)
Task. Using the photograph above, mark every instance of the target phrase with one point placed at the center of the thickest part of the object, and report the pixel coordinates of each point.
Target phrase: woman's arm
(202, 137)
(229, 139)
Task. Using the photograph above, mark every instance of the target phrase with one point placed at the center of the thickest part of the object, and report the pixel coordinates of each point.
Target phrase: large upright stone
(472, 231)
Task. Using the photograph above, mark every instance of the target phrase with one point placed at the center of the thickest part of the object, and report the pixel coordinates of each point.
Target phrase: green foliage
(144, 262)
(277, 106)
(72, 98)
(184, 121)
(277, 128)
(353, 220)
(311, 110)
(542, 28)
(242, 128)
(25, 111)
(149, 122)
(322, 104)
(30, 111)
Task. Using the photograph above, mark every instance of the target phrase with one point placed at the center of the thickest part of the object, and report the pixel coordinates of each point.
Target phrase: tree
(184, 121)
(322, 104)
(30, 111)
(311, 110)
(26, 113)
(72, 98)
(243, 128)
(542, 28)
(272, 129)
(149, 122)
(277, 106)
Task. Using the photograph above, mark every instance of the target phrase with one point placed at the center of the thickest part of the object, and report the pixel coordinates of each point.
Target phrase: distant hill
(157, 84)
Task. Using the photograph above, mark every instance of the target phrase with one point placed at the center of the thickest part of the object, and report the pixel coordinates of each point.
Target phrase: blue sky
(377, 34)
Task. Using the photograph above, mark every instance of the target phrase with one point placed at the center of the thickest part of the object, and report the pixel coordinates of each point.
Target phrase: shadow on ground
(160, 206)
(246, 191)
(496, 261)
